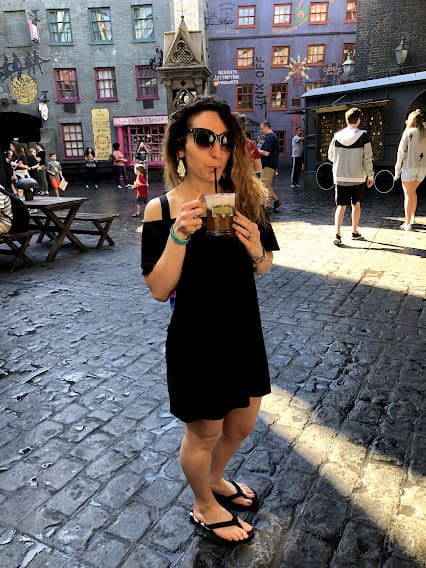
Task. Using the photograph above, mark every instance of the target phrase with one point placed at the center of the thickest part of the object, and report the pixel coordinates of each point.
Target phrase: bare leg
(338, 217)
(410, 200)
(237, 425)
(196, 458)
(356, 214)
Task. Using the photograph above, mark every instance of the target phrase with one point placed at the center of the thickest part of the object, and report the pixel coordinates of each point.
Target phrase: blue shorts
(347, 194)
(141, 200)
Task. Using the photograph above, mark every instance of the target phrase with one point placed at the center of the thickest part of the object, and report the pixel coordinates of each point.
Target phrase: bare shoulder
(153, 210)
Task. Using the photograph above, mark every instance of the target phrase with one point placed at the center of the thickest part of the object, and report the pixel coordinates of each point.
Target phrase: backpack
(20, 214)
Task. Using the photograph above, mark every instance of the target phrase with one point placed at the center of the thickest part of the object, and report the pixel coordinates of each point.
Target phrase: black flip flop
(207, 530)
(228, 500)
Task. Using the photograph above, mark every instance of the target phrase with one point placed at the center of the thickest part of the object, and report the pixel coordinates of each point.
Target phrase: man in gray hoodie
(352, 156)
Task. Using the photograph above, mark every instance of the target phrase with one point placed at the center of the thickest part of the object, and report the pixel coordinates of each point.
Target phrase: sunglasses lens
(205, 138)
(225, 141)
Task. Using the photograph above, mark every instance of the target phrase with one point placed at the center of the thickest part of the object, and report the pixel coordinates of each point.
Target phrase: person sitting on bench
(6, 215)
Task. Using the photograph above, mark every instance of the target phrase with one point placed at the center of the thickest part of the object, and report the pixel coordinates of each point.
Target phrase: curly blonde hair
(238, 174)
(415, 120)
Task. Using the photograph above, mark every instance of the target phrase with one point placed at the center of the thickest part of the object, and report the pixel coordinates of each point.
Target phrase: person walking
(41, 158)
(251, 146)
(141, 187)
(296, 156)
(411, 164)
(352, 156)
(91, 167)
(119, 166)
(54, 171)
(142, 156)
(269, 152)
(215, 382)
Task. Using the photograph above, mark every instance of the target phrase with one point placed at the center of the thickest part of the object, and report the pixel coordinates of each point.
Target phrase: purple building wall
(226, 37)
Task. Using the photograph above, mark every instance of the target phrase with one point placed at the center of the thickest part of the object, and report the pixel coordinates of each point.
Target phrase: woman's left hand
(248, 234)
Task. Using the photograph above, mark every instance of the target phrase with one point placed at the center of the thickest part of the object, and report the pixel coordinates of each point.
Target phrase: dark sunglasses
(205, 138)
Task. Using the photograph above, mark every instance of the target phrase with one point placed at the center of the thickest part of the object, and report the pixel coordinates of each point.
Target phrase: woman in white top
(411, 164)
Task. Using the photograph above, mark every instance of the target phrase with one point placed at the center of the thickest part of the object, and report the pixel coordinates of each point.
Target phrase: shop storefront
(131, 130)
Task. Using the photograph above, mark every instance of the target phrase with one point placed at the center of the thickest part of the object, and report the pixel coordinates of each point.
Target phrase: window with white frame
(245, 57)
(244, 98)
(313, 85)
(100, 25)
(315, 54)
(72, 137)
(143, 22)
(282, 15)
(351, 11)
(280, 56)
(281, 134)
(66, 85)
(318, 13)
(59, 23)
(146, 82)
(278, 96)
(106, 84)
(348, 49)
(246, 16)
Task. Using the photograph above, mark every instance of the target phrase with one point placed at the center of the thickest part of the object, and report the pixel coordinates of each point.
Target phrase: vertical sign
(190, 10)
(101, 133)
(34, 33)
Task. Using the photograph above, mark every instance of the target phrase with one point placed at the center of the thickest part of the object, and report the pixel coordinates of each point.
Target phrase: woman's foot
(235, 495)
(236, 531)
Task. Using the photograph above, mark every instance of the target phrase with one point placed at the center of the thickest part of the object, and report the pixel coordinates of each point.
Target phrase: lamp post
(401, 53)
(348, 66)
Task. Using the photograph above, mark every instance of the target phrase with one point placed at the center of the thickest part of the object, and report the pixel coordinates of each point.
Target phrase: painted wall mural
(19, 71)
(298, 71)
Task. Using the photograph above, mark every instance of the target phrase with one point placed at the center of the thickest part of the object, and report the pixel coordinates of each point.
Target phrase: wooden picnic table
(53, 223)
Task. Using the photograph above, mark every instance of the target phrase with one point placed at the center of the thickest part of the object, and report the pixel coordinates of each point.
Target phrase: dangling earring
(181, 170)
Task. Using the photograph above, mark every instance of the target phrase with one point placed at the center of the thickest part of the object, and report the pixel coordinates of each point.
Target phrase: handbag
(63, 184)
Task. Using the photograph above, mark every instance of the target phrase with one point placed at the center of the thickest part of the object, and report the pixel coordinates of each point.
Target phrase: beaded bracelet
(259, 259)
(176, 239)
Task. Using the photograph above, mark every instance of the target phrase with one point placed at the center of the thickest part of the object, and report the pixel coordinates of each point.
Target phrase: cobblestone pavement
(89, 453)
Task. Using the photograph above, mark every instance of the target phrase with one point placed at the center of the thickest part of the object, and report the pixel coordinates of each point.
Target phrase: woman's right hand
(189, 219)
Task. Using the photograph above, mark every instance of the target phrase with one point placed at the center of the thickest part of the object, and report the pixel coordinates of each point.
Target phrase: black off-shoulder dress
(215, 350)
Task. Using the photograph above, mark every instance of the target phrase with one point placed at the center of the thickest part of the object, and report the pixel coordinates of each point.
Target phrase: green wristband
(176, 239)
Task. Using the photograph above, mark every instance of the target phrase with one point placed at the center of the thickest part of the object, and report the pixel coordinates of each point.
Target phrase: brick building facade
(85, 76)
(381, 26)
(265, 55)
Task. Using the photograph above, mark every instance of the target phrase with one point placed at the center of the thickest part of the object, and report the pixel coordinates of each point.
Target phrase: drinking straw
(215, 180)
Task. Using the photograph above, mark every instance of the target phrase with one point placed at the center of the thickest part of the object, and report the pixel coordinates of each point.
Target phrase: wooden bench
(102, 223)
(18, 243)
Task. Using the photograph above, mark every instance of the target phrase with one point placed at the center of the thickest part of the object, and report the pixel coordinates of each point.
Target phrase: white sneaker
(119, 187)
(406, 227)
(87, 187)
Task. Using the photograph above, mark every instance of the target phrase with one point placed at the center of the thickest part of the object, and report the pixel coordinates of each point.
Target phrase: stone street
(89, 453)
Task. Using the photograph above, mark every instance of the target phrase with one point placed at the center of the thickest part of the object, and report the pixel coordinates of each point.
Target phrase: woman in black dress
(42, 174)
(217, 369)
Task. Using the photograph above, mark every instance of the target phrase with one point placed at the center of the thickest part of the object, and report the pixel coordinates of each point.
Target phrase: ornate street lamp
(401, 53)
(348, 66)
